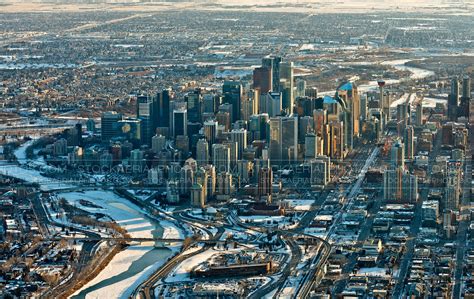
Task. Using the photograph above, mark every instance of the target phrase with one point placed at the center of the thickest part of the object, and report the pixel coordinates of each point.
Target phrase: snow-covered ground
(416, 73)
(399, 64)
(20, 152)
(170, 230)
(125, 261)
(403, 99)
(126, 214)
(431, 102)
(131, 266)
(122, 271)
(300, 204)
(34, 176)
(181, 272)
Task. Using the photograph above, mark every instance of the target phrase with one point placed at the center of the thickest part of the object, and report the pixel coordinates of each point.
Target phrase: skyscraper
(283, 145)
(466, 86)
(258, 126)
(221, 157)
(397, 155)
(320, 171)
(240, 137)
(233, 93)
(202, 152)
(351, 112)
(210, 131)
(419, 114)
(198, 199)
(300, 88)
(262, 79)
(265, 181)
(146, 113)
(452, 191)
(158, 143)
(273, 63)
(453, 100)
(162, 108)
(409, 142)
(287, 86)
(180, 122)
(466, 97)
(109, 125)
(310, 146)
(271, 103)
(194, 105)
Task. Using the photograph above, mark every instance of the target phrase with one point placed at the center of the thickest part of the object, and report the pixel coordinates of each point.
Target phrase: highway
(146, 288)
(86, 254)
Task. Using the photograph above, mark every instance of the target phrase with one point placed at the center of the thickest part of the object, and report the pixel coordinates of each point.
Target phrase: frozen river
(135, 263)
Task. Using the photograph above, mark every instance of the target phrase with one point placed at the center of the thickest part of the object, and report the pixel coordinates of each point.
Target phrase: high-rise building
(320, 171)
(244, 172)
(240, 137)
(162, 108)
(258, 126)
(208, 104)
(466, 87)
(131, 130)
(186, 179)
(305, 106)
(194, 105)
(202, 179)
(409, 142)
(109, 125)
(287, 86)
(137, 161)
(397, 155)
(210, 131)
(453, 100)
(419, 114)
(335, 140)
(283, 145)
(311, 92)
(180, 123)
(158, 143)
(221, 157)
(223, 117)
(60, 147)
(273, 63)
(265, 181)
(310, 146)
(452, 190)
(384, 103)
(198, 199)
(320, 120)
(363, 107)
(466, 97)
(399, 185)
(202, 152)
(90, 125)
(305, 125)
(211, 180)
(262, 79)
(224, 184)
(300, 88)
(146, 114)
(271, 103)
(233, 94)
(349, 95)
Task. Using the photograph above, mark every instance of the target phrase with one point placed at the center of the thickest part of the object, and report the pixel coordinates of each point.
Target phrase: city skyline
(206, 149)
